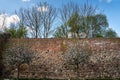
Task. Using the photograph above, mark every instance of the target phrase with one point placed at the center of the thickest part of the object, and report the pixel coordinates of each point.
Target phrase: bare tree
(32, 18)
(17, 56)
(48, 16)
(65, 13)
(39, 19)
(21, 15)
(76, 54)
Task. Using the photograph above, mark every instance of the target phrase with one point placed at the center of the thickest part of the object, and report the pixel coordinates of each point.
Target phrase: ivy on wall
(3, 40)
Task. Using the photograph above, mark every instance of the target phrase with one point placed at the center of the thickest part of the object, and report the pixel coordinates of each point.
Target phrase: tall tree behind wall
(38, 19)
(33, 21)
(65, 12)
(110, 33)
(48, 17)
(84, 18)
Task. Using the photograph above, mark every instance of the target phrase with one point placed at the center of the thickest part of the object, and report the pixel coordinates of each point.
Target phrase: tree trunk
(18, 73)
(28, 76)
(77, 69)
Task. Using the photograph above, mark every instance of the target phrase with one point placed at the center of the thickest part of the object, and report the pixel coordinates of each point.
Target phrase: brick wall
(101, 64)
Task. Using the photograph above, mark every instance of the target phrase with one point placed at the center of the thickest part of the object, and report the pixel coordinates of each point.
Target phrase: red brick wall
(51, 51)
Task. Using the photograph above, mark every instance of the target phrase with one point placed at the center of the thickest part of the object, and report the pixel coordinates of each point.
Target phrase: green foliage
(21, 32)
(99, 36)
(100, 24)
(83, 19)
(110, 33)
(92, 26)
(74, 23)
(60, 32)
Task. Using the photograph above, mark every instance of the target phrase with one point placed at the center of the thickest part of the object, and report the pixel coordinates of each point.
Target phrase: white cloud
(43, 9)
(108, 1)
(25, 0)
(6, 20)
(13, 19)
(2, 21)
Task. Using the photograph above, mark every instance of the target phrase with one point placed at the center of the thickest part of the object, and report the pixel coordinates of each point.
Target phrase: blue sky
(111, 8)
